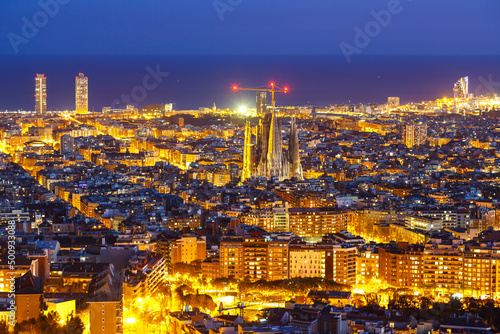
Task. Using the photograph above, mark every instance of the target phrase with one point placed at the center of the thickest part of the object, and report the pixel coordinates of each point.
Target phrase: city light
(340, 212)
(243, 110)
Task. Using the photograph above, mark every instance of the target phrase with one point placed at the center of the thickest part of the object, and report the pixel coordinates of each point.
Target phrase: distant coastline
(201, 81)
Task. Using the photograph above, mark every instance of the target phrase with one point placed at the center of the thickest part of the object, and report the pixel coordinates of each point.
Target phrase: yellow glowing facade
(247, 153)
(40, 94)
(81, 94)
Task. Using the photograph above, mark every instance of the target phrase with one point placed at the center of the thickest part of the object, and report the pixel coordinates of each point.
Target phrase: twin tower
(267, 158)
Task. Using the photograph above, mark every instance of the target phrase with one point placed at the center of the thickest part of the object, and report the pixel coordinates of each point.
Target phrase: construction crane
(272, 90)
(240, 306)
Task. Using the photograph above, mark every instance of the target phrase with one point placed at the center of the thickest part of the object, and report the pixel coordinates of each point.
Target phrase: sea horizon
(195, 81)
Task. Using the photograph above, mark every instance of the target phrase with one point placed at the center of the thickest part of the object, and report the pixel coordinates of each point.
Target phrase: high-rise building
(414, 134)
(81, 94)
(40, 94)
(461, 89)
(261, 103)
(393, 102)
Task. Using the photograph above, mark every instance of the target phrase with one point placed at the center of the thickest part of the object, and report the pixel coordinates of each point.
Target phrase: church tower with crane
(269, 159)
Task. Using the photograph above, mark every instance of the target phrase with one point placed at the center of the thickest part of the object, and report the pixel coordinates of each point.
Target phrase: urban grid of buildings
(153, 220)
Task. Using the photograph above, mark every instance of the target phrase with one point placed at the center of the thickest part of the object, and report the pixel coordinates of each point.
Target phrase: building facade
(40, 94)
(81, 94)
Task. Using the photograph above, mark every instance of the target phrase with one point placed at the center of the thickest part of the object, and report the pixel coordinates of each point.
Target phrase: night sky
(96, 27)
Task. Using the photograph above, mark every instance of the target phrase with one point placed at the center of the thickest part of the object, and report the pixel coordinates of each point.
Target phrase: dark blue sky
(251, 27)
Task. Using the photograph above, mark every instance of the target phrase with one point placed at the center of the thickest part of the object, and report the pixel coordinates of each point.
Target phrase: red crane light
(286, 89)
(272, 84)
(235, 87)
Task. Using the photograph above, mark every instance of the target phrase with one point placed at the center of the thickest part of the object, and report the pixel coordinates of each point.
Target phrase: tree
(425, 302)
(181, 290)
(204, 302)
(245, 284)
(372, 299)
(455, 306)
(471, 304)
(190, 269)
(74, 325)
(50, 324)
(358, 300)
(4, 327)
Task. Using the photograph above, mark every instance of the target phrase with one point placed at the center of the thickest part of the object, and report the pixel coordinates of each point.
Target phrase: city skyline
(250, 167)
(460, 91)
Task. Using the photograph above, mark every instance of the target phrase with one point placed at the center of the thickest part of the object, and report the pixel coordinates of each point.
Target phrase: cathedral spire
(247, 153)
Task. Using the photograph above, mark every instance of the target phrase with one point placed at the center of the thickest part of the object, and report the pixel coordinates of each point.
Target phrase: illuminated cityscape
(347, 190)
(112, 207)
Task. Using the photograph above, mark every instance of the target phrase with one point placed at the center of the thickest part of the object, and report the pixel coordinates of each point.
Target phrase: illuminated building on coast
(81, 94)
(40, 94)
(461, 89)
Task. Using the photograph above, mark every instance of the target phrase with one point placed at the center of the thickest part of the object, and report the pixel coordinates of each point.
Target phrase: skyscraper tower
(261, 103)
(461, 89)
(460, 92)
(81, 94)
(40, 94)
(247, 154)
